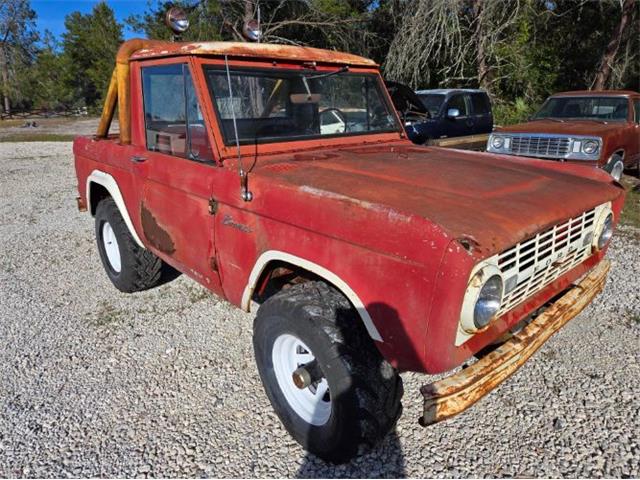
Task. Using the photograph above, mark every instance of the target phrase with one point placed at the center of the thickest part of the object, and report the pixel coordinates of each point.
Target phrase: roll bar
(119, 91)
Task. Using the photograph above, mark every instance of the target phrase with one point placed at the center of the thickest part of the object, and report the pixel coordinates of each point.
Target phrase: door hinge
(213, 206)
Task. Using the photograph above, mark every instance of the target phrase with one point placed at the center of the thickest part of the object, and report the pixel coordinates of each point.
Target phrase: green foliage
(509, 113)
(90, 45)
(531, 48)
(18, 37)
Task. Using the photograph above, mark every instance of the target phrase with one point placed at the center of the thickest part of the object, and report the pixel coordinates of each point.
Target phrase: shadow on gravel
(384, 461)
(169, 274)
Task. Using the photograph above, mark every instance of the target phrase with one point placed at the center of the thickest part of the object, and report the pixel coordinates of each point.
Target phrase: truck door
(175, 170)
(461, 125)
(482, 117)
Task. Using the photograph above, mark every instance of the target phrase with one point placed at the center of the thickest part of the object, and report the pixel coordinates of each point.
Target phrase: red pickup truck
(280, 176)
(592, 128)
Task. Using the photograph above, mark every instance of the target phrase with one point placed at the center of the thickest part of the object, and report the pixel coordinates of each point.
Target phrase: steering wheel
(339, 113)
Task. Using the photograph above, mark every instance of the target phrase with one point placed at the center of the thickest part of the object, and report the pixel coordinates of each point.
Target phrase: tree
(44, 80)
(90, 45)
(335, 24)
(608, 57)
(17, 39)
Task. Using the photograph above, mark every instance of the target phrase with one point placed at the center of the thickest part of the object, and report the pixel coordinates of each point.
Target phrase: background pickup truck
(442, 113)
(281, 176)
(595, 128)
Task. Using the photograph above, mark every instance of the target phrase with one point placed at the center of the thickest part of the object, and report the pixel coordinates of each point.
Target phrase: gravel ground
(162, 383)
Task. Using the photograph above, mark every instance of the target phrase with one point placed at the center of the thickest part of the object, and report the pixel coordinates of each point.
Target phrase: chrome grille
(533, 264)
(543, 146)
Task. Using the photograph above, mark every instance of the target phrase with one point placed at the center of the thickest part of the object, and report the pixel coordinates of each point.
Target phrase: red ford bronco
(595, 128)
(280, 177)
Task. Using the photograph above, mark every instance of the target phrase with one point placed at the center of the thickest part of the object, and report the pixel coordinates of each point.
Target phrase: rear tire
(314, 321)
(129, 267)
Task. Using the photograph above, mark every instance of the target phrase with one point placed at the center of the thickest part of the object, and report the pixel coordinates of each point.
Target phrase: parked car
(444, 113)
(280, 176)
(594, 128)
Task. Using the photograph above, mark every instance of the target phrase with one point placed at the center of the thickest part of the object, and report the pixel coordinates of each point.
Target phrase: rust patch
(157, 236)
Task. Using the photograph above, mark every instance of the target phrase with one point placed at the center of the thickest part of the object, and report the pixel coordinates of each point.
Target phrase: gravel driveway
(94, 382)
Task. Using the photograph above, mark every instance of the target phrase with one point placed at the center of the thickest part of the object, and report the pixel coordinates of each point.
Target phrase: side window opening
(458, 102)
(480, 104)
(636, 109)
(174, 123)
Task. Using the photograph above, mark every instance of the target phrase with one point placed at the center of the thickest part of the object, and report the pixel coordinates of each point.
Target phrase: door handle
(138, 159)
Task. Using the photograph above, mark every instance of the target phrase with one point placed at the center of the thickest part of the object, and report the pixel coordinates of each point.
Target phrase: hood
(573, 127)
(404, 98)
(493, 200)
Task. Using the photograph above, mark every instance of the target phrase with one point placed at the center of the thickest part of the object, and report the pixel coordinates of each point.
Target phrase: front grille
(533, 264)
(540, 146)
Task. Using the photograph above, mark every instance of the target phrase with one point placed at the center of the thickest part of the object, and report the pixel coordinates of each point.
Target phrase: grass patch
(14, 122)
(631, 210)
(36, 137)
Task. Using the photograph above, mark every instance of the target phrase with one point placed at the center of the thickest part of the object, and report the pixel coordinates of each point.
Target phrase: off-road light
(176, 19)
(606, 233)
(590, 147)
(489, 301)
(497, 142)
(252, 31)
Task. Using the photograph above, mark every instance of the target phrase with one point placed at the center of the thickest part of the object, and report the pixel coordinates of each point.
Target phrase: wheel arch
(272, 259)
(99, 182)
(618, 151)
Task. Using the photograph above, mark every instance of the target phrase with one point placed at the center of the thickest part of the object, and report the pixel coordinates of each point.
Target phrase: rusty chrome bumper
(452, 395)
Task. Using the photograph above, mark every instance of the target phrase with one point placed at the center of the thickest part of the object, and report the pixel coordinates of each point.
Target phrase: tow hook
(306, 375)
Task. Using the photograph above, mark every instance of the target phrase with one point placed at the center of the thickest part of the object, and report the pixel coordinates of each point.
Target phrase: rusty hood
(572, 127)
(495, 201)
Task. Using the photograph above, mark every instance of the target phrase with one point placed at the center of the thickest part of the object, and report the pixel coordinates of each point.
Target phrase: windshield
(588, 108)
(432, 102)
(277, 105)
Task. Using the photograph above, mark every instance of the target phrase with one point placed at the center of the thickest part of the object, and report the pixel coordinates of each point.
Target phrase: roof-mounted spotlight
(252, 31)
(176, 19)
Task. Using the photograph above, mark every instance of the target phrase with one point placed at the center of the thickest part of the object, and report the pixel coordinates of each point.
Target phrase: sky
(51, 13)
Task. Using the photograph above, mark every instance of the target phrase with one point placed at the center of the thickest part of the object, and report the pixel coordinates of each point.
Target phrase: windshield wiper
(603, 122)
(328, 74)
(548, 118)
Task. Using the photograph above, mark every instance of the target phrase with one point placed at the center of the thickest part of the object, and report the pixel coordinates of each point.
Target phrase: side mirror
(453, 113)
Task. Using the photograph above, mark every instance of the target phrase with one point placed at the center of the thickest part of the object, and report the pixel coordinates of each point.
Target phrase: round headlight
(590, 147)
(606, 233)
(489, 301)
(497, 142)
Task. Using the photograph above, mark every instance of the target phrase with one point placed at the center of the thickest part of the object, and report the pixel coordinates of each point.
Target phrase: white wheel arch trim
(108, 182)
(273, 255)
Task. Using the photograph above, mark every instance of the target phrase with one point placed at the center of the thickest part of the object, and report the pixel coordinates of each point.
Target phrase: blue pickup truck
(442, 113)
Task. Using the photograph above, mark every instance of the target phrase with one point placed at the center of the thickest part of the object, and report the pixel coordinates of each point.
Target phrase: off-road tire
(140, 268)
(366, 391)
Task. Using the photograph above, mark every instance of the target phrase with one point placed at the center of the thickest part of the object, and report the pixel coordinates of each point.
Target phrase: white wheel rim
(312, 404)
(111, 247)
(618, 168)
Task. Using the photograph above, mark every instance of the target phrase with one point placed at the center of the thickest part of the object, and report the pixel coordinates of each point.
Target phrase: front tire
(356, 398)
(615, 167)
(129, 267)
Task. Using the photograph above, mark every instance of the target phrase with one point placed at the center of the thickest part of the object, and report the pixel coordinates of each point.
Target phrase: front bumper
(454, 394)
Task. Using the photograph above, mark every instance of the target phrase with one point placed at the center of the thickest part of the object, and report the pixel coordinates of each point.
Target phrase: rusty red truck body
(594, 128)
(346, 217)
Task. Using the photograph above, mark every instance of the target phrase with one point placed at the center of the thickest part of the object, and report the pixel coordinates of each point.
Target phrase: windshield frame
(589, 97)
(279, 144)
